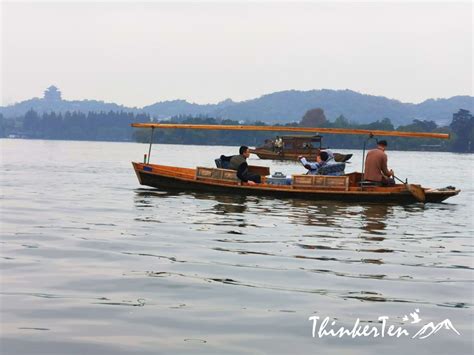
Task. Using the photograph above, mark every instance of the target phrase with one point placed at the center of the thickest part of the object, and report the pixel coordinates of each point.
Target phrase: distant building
(52, 94)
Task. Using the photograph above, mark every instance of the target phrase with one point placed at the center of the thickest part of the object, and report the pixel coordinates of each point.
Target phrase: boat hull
(183, 180)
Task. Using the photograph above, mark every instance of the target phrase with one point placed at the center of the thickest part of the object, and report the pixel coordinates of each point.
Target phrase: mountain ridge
(277, 107)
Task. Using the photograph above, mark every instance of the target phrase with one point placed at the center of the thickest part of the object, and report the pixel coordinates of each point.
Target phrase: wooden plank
(355, 178)
(302, 180)
(259, 170)
(292, 129)
(216, 174)
(321, 181)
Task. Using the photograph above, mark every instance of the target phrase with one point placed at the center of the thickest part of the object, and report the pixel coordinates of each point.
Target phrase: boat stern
(441, 194)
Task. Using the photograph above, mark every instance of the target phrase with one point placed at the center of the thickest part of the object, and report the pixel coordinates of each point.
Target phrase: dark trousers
(384, 182)
(388, 182)
(254, 177)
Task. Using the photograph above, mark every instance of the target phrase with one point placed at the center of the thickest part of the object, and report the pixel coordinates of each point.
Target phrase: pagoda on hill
(52, 94)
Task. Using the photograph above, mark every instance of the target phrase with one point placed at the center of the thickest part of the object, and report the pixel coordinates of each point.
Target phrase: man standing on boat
(376, 169)
(279, 144)
(239, 163)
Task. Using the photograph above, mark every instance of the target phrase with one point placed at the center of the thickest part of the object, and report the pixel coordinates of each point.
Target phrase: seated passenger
(332, 169)
(324, 165)
(330, 155)
(239, 163)
(376, 170)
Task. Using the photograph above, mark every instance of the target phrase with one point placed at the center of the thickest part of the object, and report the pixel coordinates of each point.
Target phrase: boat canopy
(316, 130)
(312, 138)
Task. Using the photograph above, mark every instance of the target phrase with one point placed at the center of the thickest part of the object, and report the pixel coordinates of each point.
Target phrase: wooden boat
(294, 146)
(348, 188)
(343, 188)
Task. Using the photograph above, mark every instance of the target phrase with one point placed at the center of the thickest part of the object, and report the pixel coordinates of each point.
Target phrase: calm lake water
(94, 263)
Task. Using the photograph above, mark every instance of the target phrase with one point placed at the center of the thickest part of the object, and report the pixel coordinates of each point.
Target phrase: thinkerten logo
(383, 329)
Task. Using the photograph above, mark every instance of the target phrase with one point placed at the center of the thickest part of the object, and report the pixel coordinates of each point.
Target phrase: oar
(416, 190)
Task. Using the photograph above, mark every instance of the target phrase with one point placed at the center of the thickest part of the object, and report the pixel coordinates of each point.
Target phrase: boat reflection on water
(225, 204)
(371, 218)
(375, 220)
(376, 217)
(232, 206)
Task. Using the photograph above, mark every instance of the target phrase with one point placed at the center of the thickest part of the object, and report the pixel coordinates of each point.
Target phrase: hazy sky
(139, 53)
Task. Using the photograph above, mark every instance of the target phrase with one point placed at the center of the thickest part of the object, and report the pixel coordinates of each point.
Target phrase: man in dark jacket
(239, 163)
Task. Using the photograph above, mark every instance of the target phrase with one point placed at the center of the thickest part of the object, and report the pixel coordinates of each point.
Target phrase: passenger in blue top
(313, 167)
(324, 165)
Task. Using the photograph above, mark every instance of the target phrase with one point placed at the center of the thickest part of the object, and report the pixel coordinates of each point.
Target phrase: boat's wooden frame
(292, 129)
(186, 179)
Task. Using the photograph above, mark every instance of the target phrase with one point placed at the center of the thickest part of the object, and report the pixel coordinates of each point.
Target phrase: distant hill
(167, 109)
(52, 102)
(286, 106)
(278, 107)
(42, 105)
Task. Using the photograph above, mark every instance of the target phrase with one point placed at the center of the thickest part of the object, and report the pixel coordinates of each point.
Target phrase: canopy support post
(371, 136)
(151, 143)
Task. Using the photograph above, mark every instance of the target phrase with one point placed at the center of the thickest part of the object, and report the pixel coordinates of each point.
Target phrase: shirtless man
(376, 169)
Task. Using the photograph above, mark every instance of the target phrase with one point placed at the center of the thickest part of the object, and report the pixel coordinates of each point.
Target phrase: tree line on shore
(95, 126)
(115, 126)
